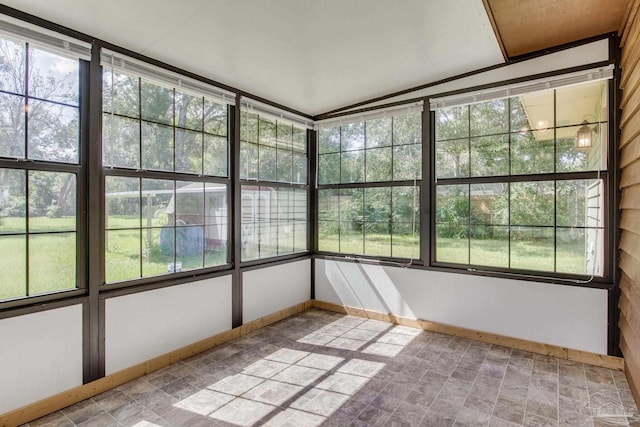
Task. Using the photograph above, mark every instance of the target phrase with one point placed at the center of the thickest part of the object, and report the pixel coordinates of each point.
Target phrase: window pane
(352, 166)
(579, 203)
(13, 264)
(490, 156)
(489, 245)
(407, 162)
(188, 111)
(284, 136)
(378, 132)
(268, 222)
(490, 117)
(121, 142)
(284, 165)
(328, 205)
(572, 249)
(299, 140)
(248, 127)
(489, 204)
(329, 140)
(215, 156)
(53, 77)
(157, 103)
(406, 240)
(300, 168)
(157, 147)
(158, 203)
(122, 202)
(407, 129)
(452, 158)
(53, 132)
(583, 102)
(216, 224)
(329, 168)
(532, 111)
(378, 164)
(532, 152)
(452, 123)
(122, 258)
(532, 248)
(285, 221)
(406, 204)
(52, 262)
(11, 74)
(569, 158)
(189, 204)
(120, 94)
(12, 136)
(52, 201)
(248, 161)
(452, 243)
(158, 251)
(299, 205)
(267, 163)
(352, 218)
(188, 151)
(267, 132)
(352, 136)
(300, 236)
(189, 247)
(249, 214)
(377, 219)
(532, 203)
(328, 236)
(215, 118)
(452, 216)
(351, 238)
(12, 201)
(452, 204)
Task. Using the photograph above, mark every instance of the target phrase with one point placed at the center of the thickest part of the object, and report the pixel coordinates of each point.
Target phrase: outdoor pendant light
(584, 138)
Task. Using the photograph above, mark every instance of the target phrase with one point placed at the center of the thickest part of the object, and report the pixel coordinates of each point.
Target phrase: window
(39, 169)
(274, 193)
(369, 175)
(165, 157)
(517, 188)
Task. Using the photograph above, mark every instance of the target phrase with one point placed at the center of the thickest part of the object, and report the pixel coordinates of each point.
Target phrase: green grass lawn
(52, 257)
(131, 254)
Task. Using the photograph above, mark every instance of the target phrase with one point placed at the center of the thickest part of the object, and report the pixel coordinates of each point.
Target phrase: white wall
(268, 290)
(148, 324)
(566, 316)
(40, 355)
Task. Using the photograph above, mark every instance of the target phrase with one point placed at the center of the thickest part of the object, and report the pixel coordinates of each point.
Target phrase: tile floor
(322, 368)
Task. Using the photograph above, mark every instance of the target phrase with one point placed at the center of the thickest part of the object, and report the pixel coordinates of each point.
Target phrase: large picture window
(520, 181)
(274, 192)
(165, 160)
(39, 169)
(369, 175)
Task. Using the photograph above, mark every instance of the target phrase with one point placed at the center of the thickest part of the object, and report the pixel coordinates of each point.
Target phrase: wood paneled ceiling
(524, 26)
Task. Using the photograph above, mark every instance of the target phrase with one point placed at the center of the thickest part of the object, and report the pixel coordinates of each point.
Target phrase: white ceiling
(310, 55)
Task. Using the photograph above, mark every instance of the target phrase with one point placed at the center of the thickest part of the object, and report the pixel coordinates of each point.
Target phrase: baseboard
(586, 357)
(62, 400)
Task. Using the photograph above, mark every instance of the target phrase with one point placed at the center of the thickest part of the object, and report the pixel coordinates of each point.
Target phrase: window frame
(417, 184)
(609, 197)
(77, 169)
(139, 173)
(263, 113)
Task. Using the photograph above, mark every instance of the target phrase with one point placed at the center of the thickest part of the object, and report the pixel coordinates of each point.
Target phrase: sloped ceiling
(319, 55)
(310, 55)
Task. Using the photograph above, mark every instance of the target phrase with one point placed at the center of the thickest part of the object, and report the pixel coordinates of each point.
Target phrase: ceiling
(318, 55)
